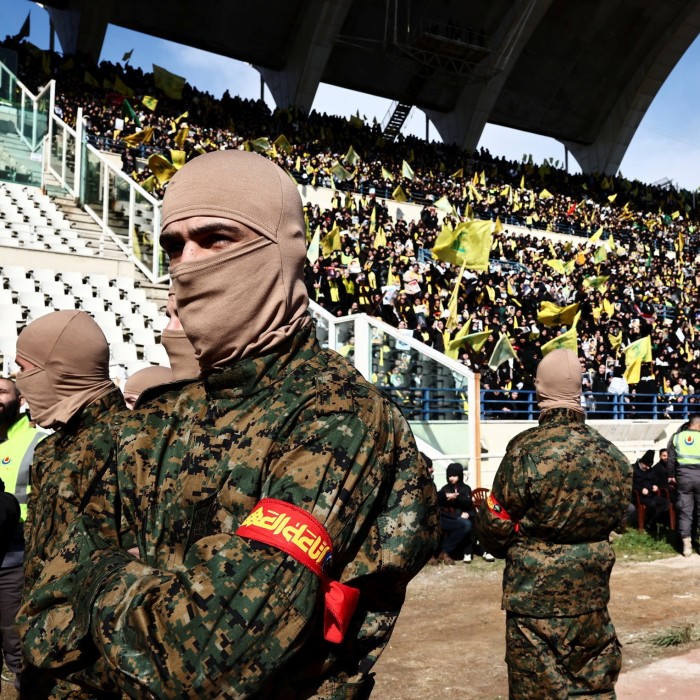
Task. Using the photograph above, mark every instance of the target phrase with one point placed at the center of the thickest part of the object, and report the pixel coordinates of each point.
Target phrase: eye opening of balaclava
(558, 381)
(248, 300)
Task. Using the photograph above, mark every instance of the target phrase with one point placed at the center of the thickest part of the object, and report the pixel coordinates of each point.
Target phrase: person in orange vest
(18, 438)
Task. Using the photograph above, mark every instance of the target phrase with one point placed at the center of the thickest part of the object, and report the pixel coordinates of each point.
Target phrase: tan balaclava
(558, 381)
(246, 301)
(183, 362)
(72, 358)
(144, 379)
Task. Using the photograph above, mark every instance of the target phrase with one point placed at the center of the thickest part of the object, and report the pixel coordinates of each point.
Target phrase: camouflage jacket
(64, 466)
(566, 487)
(204, 613)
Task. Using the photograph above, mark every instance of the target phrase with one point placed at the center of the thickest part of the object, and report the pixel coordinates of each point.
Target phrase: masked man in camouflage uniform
(558, 493)
(64, 362)
(277, 507)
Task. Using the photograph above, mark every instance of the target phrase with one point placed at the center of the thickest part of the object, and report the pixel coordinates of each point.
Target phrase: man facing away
(275, 509)
(684, 468)
(558, 493)
(18, 439)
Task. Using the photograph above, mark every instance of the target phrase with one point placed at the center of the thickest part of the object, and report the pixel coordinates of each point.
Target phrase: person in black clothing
(456, 516)
(649, 496)
(662, 474)
(9, 518)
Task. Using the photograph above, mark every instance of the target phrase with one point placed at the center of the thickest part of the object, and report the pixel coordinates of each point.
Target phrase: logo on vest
(6, 460)
(689, 440)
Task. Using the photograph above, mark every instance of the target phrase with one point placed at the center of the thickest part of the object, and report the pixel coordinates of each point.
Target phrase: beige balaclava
(71, 354)
(558, 381)
(145, 378)
(246, 301)
(183, 362)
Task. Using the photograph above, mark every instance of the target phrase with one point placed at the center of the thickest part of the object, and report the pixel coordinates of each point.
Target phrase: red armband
(296, 532)
(498, 511)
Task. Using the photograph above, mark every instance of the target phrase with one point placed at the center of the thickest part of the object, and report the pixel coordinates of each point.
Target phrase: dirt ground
(449, 640)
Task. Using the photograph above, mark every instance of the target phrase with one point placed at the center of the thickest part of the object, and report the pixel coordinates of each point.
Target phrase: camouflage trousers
(562, 657)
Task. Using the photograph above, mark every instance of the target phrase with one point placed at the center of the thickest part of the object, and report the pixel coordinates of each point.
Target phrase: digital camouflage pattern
(562, 657)
(206, 614)
(567, 487)
(64, 467)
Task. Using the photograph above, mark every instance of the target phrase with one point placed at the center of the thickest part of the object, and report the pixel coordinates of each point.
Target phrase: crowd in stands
(638, 280)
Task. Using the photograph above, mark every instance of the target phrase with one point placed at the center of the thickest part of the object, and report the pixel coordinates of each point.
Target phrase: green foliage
(633, 545)
(676, 636)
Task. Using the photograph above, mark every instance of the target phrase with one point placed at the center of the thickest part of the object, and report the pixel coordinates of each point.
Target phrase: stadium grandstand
(444, 272)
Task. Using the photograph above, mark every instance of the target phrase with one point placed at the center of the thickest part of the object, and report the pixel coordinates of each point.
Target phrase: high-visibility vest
(687, 444)
(16, 455)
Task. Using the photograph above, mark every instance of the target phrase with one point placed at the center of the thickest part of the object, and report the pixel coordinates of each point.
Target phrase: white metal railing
(33, 111)
(358, 336)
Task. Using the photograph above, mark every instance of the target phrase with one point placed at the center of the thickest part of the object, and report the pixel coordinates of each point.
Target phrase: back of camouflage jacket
(559, 491)
(203, 613)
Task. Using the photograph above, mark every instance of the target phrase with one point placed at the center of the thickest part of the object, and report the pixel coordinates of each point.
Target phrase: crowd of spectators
(638, 280)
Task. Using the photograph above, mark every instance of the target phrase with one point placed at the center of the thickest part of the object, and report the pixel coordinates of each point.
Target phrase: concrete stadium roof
(581, 71)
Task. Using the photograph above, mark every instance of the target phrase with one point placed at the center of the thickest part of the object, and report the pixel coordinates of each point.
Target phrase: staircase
(397, 120)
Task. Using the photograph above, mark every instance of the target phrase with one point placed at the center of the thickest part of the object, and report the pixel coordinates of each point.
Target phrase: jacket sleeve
(234, 611)
(672, 457)
(499, 514)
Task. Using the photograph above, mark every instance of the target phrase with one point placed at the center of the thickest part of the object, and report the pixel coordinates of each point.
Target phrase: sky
(665, 146)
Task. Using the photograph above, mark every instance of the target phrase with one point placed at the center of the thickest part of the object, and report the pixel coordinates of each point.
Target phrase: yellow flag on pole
(640, 348)
(467, 244)
(314, 246)
(567, 340)
(550, 314)
(331, 241)
(406, 170)
(168, 82)
(161, 167)
(502, 352)
(149, 102)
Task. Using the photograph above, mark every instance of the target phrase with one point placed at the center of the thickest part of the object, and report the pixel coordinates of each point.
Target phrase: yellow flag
(522, 182)
(178, 158)
(640, 348)
(149, 184)
(612, 197)
(443, 204)
(477, 340)
(387, 175)
(356, 121)
(399, 195)
(675, 215)
(556, 265)
(600, 254)
(567, 340)
(550, 314)
(181, 135)
(468, 244)
(457, 174)
(90, 80)
(161, 167)
(143, 136)
(122, 88)
(451, 322)
(452, 347)
(615, 340)
(633, 371)
(406, 170)
(331, 241)
(340, 173)
(473, 192)
(609, 309)
(149, 102)
(502, 352)
(351, 157)
(380, 239)
(596, 282)
(596, 236)
(168, 82)
(184, 115)
(282, 143)
(482, 178)
(546, 194)
(569, 266)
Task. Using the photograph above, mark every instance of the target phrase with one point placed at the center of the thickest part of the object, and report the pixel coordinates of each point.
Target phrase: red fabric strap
(296, 532)
(497, 510)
